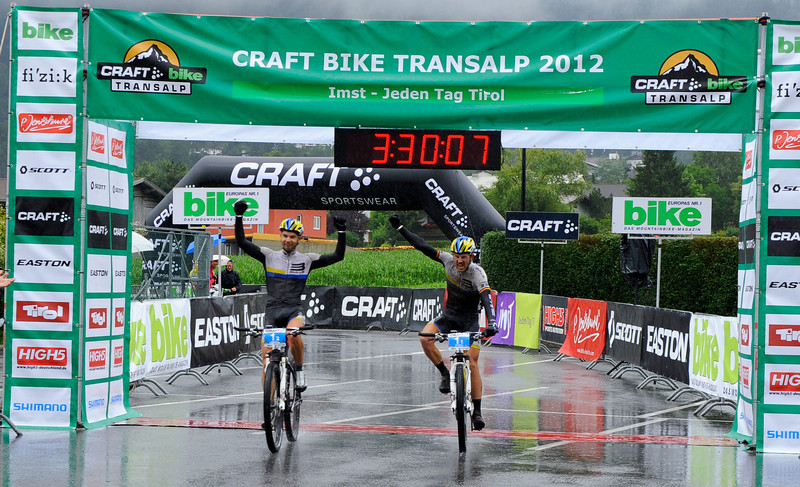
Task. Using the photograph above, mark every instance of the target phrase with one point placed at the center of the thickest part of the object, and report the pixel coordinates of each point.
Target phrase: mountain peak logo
(151, 66)
(688, 77)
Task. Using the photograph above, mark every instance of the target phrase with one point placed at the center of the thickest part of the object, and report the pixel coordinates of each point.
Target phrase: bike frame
(460, 357)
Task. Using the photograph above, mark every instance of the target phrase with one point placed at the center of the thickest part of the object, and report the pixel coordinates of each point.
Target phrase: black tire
(461, 407)
(291, 414)
(273, 419)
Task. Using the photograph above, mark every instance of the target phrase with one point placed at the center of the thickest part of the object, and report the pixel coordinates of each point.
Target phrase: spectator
(231, 282)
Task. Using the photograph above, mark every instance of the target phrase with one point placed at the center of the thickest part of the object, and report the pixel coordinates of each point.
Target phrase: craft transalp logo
(688, 77)
(151, 66)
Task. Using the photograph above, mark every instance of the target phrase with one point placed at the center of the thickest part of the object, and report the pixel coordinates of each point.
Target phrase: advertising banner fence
(624, 331)
(160, 337)
(714, 355)
(554, 318)
(666, 344)
(586, 337)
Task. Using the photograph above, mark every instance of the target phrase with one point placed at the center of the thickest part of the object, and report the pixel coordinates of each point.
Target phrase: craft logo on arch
(151, 66)
(688, 77)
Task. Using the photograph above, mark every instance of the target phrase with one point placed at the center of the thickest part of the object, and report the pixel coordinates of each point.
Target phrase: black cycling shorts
(281, 316)
(447, 322)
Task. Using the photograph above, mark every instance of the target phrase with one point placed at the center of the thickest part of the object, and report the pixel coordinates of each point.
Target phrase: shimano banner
(455, 204)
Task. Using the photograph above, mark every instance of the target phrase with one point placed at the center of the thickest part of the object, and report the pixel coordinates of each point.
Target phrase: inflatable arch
(448, 197)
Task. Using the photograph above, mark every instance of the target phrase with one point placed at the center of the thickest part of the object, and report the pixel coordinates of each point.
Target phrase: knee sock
(442, 368)
(476, 406)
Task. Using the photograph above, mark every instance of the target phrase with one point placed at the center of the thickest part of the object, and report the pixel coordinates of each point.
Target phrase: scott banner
(667, 76)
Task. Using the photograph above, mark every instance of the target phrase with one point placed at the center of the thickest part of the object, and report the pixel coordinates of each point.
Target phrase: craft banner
(554, 318)
(714, 355)
(586, 334)
(666, 344)
(625, 76)
(426, 304)
(624, 331)
(362, 307)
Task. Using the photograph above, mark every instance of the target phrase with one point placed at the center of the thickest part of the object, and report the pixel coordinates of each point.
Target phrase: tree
(382, 231)
(554, 180)
(660, 176)
(611, 172)
(717, 175)
(357, 226)
(162, 173)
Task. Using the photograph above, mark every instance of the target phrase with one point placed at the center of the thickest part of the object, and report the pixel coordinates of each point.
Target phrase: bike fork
(467, 385)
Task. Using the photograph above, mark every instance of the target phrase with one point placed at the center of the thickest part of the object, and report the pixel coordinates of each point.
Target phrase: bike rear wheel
(461, 407)
(291, 413)
(273, 419)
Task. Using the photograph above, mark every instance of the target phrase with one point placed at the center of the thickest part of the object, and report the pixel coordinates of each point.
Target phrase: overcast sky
(468, 10)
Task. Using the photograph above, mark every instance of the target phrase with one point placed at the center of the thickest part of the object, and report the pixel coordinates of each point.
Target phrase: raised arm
(416, 241)
(249, 247)
(341, 244)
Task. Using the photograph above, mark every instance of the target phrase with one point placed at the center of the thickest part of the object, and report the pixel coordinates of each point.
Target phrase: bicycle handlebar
(257, 330)
(441, 337)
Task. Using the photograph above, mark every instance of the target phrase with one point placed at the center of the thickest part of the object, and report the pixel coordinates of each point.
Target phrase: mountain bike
(460, 384)
(281, 399)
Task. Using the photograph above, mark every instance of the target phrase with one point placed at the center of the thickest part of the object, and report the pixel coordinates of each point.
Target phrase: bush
(698, 275)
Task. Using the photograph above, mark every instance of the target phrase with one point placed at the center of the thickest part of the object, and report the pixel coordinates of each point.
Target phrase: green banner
(527, 320)
(654, 76)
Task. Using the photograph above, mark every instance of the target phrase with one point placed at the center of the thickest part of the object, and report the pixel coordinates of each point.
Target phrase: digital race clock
(425, 149)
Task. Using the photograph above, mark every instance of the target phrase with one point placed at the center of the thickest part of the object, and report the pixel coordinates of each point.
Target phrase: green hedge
(698, 275)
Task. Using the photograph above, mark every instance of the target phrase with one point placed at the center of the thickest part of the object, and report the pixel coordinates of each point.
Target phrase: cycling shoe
(301, 385)
(444, 385)
(477, 422)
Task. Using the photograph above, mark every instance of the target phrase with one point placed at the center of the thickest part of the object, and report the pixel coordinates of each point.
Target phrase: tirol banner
(612, 76)
(456, 205)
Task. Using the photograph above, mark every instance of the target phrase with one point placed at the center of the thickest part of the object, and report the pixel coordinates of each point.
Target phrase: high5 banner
(653, 76)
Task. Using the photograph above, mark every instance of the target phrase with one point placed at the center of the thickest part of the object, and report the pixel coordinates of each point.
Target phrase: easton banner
(665, 340)
(612, 76)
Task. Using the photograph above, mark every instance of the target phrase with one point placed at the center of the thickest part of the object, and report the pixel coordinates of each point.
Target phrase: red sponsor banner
(97, 357)
(117, 148)
(748, 160)
(784, 335)
(118, 353)
(744, 335)
(119, 317)
(98, 318)
(44, 356)
(42, 311)
(586, 336)
(744, 375)
(784, 381)
(98, 143)
(46, 123)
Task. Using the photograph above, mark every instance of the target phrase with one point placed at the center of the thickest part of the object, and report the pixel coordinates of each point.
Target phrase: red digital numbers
(432, 149)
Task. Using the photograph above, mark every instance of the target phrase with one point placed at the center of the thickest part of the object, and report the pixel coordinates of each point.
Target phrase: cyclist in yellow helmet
(286, 274)
(467, 290)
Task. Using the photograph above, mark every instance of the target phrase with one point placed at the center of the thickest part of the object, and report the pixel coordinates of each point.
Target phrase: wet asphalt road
(373, 416)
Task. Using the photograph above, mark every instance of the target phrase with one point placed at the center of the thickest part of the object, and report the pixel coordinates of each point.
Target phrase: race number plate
(458, 341)
(274, 336)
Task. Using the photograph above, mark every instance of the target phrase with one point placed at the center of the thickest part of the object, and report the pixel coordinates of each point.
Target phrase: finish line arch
(618, 83)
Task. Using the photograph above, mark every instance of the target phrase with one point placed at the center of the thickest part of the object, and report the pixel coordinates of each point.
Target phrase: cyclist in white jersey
(286, 274)
(467, 290)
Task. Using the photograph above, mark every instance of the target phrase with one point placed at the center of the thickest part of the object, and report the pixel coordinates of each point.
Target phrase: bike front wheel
(273, 419)
(291, 412)
(461, 407)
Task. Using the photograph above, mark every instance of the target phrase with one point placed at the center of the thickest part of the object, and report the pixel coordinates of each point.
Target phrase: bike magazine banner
(666, 344)
(554, 318)
(595, 76)
(107, 258)
(44, 312)
(714, 355)
(776, 347)
(586, 334)
(160, 337)
(624, 331)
